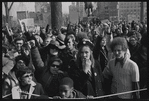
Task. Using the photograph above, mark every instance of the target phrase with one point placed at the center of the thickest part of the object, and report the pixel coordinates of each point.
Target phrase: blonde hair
(79, 57)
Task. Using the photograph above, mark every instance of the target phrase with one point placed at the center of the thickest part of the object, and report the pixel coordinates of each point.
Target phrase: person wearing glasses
(19, 48)
(11, 80)
(50, 74)
(26, 85)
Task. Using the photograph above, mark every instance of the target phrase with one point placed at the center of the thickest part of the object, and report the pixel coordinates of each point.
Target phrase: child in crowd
(66, 90)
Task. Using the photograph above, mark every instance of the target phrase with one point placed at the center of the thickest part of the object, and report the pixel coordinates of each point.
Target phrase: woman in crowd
(100, 52)
(51, 50)
(88, 74)
(134, 46)
(48, 75)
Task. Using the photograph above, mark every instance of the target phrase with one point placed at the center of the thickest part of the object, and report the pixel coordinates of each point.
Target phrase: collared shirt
(122, 77)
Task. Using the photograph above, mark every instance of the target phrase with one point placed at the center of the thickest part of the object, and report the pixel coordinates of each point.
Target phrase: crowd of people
(82, 61)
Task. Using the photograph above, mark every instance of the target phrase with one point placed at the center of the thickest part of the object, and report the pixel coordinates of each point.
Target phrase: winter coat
(67, 58)
(89, 85)
(49, 81)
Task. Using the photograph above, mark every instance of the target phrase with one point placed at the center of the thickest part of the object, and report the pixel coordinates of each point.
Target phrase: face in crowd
(103, 42)
(133, 41)
(65, 91)
(119, 52)
(19, 44)
(85, 53)
(26, 78)
(70, 44)
(54, 68)
(47, 41)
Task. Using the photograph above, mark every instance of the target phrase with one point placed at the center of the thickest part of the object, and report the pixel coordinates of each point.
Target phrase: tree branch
(5, 4)
(10, 6)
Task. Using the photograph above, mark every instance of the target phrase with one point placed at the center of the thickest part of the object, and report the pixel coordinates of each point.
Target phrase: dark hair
(4, 49)
(97, 46)
(53, 59)
(119, 41)
(67, 81)
(23, 71)
(18, 38)
(70, 37)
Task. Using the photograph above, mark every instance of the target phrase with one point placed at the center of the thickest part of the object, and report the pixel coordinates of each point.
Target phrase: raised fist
(32, 43)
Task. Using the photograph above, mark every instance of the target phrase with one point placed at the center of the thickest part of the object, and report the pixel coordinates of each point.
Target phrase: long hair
(97, 47)
(79, 62)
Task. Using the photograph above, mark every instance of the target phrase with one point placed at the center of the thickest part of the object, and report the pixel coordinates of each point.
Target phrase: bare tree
(7, 10)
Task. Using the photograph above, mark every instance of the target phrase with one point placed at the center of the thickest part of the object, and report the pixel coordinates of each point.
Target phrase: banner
(29, 22)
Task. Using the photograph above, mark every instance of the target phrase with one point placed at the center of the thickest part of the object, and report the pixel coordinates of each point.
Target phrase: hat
(60, 38)
(67, 81)
(86, 42)
(56, 44)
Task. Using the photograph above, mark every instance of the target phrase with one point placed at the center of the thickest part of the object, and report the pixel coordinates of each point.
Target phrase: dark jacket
(100, 54)
(49, 82)
(139, 55)
(67, 57)
(38, 89)
(89, 85)
(78, 94)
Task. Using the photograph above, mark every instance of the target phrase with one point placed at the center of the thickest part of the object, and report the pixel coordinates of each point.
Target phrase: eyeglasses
(55, 66)
(27, 76)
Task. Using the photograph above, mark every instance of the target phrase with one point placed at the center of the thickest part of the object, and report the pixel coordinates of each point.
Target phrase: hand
(32, 43)
(16, 54)
(107, 28)
(56, 97)
(26, 52)
(86, 64)
(90, 97)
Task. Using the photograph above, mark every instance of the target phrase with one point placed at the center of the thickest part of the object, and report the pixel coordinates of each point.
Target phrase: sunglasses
(27, 76)
(55, 66)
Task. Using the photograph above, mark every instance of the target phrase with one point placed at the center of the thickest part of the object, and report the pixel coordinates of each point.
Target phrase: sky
(65, 7)
(30, 6)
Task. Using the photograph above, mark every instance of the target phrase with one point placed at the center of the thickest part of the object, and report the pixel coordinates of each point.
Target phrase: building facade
(120, 11)
(129, 11)
(76, 12)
